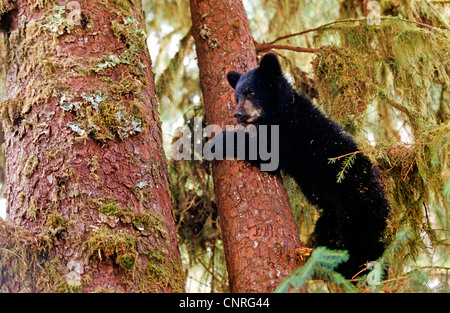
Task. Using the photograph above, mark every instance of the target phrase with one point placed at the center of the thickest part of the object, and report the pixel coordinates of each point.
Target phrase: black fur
(354, 212)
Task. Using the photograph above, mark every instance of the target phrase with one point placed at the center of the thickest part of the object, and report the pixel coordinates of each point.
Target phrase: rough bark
(86, 174)
(259, 232)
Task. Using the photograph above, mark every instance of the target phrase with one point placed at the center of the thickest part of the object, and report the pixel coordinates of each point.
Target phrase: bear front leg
(256, 145)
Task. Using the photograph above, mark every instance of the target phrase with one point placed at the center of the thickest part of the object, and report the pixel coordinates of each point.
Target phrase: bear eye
(249, 92)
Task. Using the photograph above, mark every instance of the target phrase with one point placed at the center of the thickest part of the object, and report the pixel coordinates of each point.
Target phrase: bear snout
(237, 114)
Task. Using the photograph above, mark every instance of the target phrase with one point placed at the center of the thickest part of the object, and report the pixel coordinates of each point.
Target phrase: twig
(364, 269)
(345, 155)
(261, 47)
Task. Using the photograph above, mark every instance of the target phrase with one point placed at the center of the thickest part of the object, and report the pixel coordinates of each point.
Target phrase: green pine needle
(322, 263)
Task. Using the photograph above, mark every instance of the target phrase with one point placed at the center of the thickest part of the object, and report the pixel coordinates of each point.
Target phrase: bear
(317, 152)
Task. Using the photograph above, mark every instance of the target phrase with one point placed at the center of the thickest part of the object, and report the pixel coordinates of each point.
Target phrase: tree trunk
(259, 232)
(87, 187)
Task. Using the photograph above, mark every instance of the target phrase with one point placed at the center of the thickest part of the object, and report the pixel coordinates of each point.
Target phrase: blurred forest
(381, 71)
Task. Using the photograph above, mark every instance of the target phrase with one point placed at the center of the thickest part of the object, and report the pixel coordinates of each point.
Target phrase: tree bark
(87, 186)
(259, 232)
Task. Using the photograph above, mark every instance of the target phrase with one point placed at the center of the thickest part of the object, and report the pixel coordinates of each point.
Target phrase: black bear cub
(353, 208)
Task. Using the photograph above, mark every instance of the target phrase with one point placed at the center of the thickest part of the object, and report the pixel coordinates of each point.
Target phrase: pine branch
(349, 159)
(321, 263)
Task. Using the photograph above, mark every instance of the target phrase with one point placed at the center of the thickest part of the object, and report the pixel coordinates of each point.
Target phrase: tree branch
(350, 20)
(262, 47)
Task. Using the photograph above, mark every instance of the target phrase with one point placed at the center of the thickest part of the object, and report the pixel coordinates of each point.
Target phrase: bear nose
(237, 114)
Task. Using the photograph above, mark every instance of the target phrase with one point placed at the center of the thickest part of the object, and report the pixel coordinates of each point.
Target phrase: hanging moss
(22, 254)
(173, 70)
(305, 214)
(422, 11)
(344, 82)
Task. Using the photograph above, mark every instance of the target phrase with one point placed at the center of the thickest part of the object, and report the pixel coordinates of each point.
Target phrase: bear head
(257, 91)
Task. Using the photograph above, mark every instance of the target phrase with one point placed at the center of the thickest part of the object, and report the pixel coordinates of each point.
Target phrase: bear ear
(270, 64)
(233, 77)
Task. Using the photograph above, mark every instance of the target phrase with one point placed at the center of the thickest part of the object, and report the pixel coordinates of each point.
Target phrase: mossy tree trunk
(87, 187)
(259, 232)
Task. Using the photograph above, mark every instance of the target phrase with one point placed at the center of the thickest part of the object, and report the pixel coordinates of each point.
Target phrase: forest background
(385, 80)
